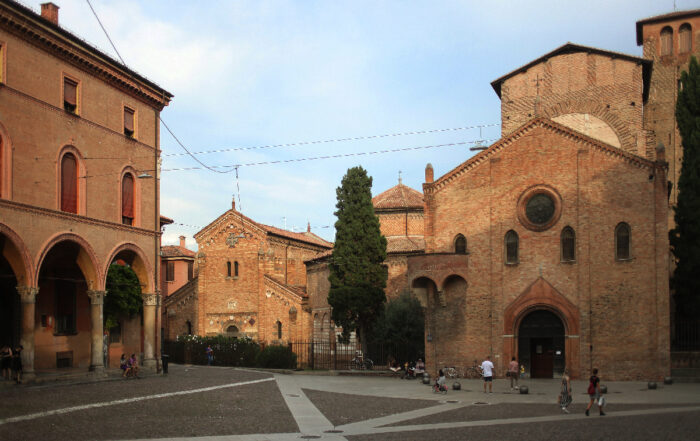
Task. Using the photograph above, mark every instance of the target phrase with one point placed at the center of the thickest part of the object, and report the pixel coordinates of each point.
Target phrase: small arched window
(228, 269)
(235, 269)
(511, 247)
(685, 35)
(69, 183)
(232, 331)
(666, 41)
(188, 324)
(460, 244)
(568, 245)
(279, 330)
(622, 241)
(128, 199)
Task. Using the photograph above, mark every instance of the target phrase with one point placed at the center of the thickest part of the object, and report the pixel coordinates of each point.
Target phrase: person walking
(17, 363)
(210, 355)
(565, 396)
(487, 371)
(513, 373)
(6, 361)
(594, 392)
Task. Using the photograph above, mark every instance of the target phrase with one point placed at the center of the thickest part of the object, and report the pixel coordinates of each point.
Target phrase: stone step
(686, 375)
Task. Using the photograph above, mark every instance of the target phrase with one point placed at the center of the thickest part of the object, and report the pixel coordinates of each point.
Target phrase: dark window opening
(128, 122)
(622, 241)
(235, 269)
(279, 330)
(511, 247)
(70, 95)
(65, 307)
(460, 245)
(190, 270)
(228, 269)
(170, 271)
(568, 245)
(188, 324)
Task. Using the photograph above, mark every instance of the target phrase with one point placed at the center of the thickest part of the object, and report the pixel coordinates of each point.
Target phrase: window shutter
(70, 92)
(170, 272)
(69, 184)
(666, 41)
(685, 38)
(128, 196)
(128, 120)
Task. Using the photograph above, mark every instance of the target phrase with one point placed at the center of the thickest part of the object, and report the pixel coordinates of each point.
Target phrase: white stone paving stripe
(504, 421)
(65, 410)
(398, 417)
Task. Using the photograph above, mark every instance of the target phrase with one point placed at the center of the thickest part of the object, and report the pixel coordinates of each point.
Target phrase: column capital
(149, 299)
(96, 297)
(28, 293)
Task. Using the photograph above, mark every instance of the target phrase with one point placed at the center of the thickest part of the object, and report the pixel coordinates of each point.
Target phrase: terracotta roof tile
(302, 237)
(399, 196)
(405, 244)
(175, 251)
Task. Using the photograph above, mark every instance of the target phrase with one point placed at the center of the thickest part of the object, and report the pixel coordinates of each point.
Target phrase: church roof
(663, 17)
(570, 48)
(398, 196)
(523, 130)
(405, 244)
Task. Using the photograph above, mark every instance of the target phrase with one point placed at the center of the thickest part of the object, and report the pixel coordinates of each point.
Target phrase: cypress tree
(357, 274)
(685, 237)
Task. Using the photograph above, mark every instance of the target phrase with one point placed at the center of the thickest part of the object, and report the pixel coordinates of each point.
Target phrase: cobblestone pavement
(217, 403)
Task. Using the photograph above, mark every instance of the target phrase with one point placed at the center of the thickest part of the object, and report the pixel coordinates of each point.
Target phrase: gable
(534, 127)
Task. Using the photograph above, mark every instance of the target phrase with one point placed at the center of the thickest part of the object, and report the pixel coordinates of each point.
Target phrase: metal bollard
(456, 386)
(426, 378)
(523, 390)
(651, 385)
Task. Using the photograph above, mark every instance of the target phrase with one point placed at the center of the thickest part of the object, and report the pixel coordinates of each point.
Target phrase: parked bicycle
(359, 362)
(451, 372)
(473, 371)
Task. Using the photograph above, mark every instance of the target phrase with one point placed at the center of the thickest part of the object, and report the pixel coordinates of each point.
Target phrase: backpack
(591, 388)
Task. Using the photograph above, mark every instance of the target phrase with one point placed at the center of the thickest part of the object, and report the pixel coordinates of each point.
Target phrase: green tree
(685, 237)
(357, 273)
(402, 326)
(123, 294)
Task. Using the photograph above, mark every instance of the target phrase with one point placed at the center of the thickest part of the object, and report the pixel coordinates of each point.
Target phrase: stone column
(97, 299)
(150, 301)
(27, 296)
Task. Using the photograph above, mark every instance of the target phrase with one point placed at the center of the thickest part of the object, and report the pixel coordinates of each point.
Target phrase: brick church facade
(551, 245)
(79, 136)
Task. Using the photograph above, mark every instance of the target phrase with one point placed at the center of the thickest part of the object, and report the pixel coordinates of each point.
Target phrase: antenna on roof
(479, 144)
(399, 177)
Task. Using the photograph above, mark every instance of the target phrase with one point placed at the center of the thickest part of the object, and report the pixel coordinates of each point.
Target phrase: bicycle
(474, 371)
(361, 363)
(451, 372)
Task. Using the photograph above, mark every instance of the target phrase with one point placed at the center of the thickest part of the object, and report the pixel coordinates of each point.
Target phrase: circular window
(539, 208)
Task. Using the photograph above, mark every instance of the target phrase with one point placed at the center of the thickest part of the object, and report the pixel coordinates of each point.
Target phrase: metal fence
(686, 335)
(337, 356)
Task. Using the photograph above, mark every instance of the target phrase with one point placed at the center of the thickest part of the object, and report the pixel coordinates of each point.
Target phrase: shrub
(277, 357)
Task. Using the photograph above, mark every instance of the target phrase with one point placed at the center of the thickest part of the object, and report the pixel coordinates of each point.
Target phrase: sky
(293, 76)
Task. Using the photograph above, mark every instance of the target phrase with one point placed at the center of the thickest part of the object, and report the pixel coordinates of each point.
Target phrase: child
(565, 395)
(133, 366)
(123, 366)
(440, 385)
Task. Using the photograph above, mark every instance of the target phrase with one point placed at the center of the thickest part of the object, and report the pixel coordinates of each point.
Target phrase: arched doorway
(541, 344)
(10, 311)
(231, 331)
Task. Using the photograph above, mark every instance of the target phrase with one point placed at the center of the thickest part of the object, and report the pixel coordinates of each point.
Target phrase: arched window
(568, 245)
(460, 244)
(622, 241)
(69, 183)
(235, 269)
(511, 247)
(228, 269)
(279, 330)
(685, 35)
(128, 199)
(666, 41)
(232, 331)
(189, 327)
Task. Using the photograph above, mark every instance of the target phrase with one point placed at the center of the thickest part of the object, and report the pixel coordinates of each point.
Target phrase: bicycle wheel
(369, 364)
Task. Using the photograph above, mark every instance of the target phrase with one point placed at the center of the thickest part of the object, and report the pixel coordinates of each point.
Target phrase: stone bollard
(523, 390)
(603, 389)
(668, 380)
(426, 378)
(456, 386)
(651, 385)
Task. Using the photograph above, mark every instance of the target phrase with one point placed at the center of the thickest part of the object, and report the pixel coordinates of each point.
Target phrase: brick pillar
(149, 335)
(97, 299)
(28, 298)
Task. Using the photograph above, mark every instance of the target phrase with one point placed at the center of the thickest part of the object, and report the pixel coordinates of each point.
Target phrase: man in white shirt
(487, 371)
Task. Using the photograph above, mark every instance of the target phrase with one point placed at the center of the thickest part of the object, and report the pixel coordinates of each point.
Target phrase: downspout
(156, 263)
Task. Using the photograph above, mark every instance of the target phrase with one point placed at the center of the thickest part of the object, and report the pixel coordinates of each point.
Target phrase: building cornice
(526, 129)
(31, 27)
(62, 215)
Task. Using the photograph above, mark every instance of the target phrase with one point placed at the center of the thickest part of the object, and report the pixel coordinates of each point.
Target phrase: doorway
(9, 304)
(541, 344)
